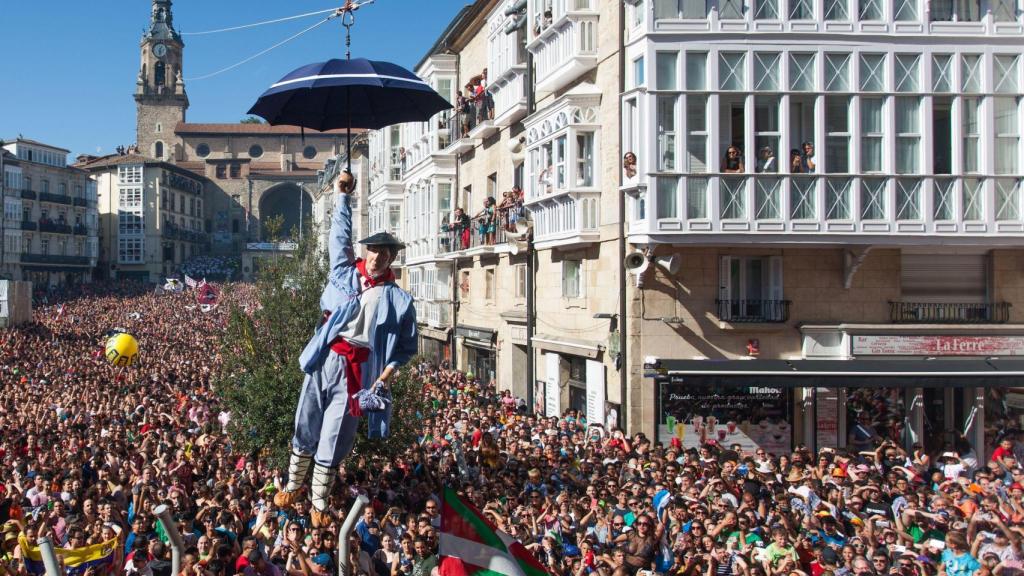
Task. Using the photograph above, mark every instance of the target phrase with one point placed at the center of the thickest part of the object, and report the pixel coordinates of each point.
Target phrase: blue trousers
(323, 425)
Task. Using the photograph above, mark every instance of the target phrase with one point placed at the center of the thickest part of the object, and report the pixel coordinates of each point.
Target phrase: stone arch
(283, 199)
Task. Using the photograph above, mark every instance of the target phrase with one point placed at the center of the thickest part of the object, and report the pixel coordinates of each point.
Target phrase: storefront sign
(752, 417)
(481, 334)
(892, 345)
(595, 392)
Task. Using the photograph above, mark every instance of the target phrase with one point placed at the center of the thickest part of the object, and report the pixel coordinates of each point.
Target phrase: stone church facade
(251, 171)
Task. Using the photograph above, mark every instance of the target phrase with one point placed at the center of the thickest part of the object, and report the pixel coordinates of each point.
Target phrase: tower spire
(161, 22)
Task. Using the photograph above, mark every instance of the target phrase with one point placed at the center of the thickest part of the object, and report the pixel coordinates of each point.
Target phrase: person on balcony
(486, 221)
(733, 161)
(446, 233)
(460, 226)
(766, 161)
(629, 165)
(796, 162)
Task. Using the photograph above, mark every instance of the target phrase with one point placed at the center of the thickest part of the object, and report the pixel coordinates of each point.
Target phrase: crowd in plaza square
(87, 450)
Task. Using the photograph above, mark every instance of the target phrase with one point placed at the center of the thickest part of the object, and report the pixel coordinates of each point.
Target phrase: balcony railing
(81, 230)
(79, 202)
(54, 259)
(748, 311)
(27, 194)
(949, 313)
(55, 198)
(54, 227)
(460, 239)
(28, 225)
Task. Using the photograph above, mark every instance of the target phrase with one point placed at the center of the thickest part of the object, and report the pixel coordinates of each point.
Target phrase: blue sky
(68, 69)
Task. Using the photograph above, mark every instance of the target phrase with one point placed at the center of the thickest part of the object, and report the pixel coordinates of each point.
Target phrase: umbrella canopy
(356, 93)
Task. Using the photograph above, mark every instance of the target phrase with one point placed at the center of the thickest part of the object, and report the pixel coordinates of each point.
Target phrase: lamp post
(301, 193)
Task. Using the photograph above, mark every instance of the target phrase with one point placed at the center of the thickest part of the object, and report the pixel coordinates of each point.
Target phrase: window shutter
(775, 278)
(944, 278)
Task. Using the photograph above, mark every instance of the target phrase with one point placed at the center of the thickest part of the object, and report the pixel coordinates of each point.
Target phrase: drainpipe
(624, 363)
(50, 563)
(163, 514)
(346, 530)
(531, 260)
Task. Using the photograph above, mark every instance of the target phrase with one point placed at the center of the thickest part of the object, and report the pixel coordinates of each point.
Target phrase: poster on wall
(827, 417)
(552, 395)
(595, 392)
(538, 397)
(753, 417)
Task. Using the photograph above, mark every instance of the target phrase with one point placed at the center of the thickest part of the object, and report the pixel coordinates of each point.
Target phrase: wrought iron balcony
(55, 198)
(54, 259)
(28, 225)
(27, 194)
(81, 230)
(949, 313)
(79, 202)
(750, 311)
(54, 227)
(454, 239)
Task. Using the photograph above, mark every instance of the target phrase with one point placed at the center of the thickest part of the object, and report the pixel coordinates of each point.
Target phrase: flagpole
(346, 529)
(49, 556)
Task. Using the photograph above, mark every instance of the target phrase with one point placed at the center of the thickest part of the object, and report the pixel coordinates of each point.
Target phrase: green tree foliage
(261, 380)
(252, 120)
(272, 226)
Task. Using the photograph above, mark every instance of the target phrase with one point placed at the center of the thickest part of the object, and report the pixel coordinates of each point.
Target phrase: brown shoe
(320, 519)
(286, 499)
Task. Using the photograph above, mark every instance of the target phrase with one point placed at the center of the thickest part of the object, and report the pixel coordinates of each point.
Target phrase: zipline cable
(260, 53)
(243, 26)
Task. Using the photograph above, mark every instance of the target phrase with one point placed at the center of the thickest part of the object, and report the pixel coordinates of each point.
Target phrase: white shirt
(357, 331)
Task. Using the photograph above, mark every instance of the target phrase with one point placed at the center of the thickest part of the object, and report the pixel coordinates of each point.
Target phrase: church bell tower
(160, 98)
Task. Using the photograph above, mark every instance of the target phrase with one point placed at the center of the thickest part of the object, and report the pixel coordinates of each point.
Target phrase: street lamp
(301, 193)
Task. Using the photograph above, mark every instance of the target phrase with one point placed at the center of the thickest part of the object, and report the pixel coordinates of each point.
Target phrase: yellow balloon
(122, 349)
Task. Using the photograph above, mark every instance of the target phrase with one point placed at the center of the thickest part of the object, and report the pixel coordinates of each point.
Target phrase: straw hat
(795, 475)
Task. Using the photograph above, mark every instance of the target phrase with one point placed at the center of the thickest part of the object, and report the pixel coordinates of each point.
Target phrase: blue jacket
(392, 334)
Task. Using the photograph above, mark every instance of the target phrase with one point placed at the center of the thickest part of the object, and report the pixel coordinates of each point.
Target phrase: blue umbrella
(356, 93)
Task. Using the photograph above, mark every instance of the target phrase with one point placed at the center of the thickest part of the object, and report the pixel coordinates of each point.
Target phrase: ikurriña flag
(470, 545)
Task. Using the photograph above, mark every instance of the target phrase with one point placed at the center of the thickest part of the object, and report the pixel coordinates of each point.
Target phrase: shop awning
(570, 346)
(909, 373)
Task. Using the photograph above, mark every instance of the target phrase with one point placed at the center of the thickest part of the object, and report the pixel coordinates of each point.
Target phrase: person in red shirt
(1004, 449)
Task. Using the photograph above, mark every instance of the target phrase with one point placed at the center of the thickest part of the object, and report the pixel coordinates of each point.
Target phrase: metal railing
(458, 239)
(81, 230)
(745, 311)
(27, 194)
(29, 225)
(79, 202)
(461, 123)
(54, 227)
(949, 312)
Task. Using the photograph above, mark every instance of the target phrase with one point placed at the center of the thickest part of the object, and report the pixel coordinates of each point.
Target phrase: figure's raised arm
(340, 245)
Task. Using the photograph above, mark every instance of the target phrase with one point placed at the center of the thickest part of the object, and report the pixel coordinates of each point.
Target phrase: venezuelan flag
(76, 560)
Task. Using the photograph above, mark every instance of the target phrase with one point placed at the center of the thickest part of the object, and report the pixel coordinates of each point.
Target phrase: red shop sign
(891, 345)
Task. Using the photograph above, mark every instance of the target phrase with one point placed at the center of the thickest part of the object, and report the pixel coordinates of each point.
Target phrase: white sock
(298, 469)
(323, 480)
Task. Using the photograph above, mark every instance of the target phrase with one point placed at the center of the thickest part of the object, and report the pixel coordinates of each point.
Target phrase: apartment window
(1007, 137)
(942, 135)
(942, 73)
(766, 129)
(801, 10)
(129, 174)
(489, 283)
(129, 198)
(837, 72)
(1004, 10)
(1005, 73)
(872, 72)
(1007, 199)
(697, 134)
(766, 71)
(222, 171)
(872, 199)
(585, 159)
(837, 10)
(520, 272)
(730, 9)
(767, 201)
(837, 127)
(750, 288)
(802, 199)
(766, 9)
(560, 144)
(908, 199)
(696, 198)
(904, 10)
(572, 285)
(870, 10)
(696, 70)
(666, 70)
(908, 134)
(970, 109)
(970, 73)
(732, 195)
(638, 71)
(972, 199)
(955, 10)
(129, 223)
(44, 246)
(667, 203)
(130, 250)
(236, 171)
(943, 195)
(730, 70)
(872, 135)
(907, 72)
(666, 124)
(46, 187)
(801, 72)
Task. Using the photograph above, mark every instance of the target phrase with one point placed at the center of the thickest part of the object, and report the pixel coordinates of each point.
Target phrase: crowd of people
(88, 450)
(219, 268)
(457, 230)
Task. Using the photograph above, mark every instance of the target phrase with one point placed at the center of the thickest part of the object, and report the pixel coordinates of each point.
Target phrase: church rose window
(203, 150)
(309, 153)
(255, 151)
